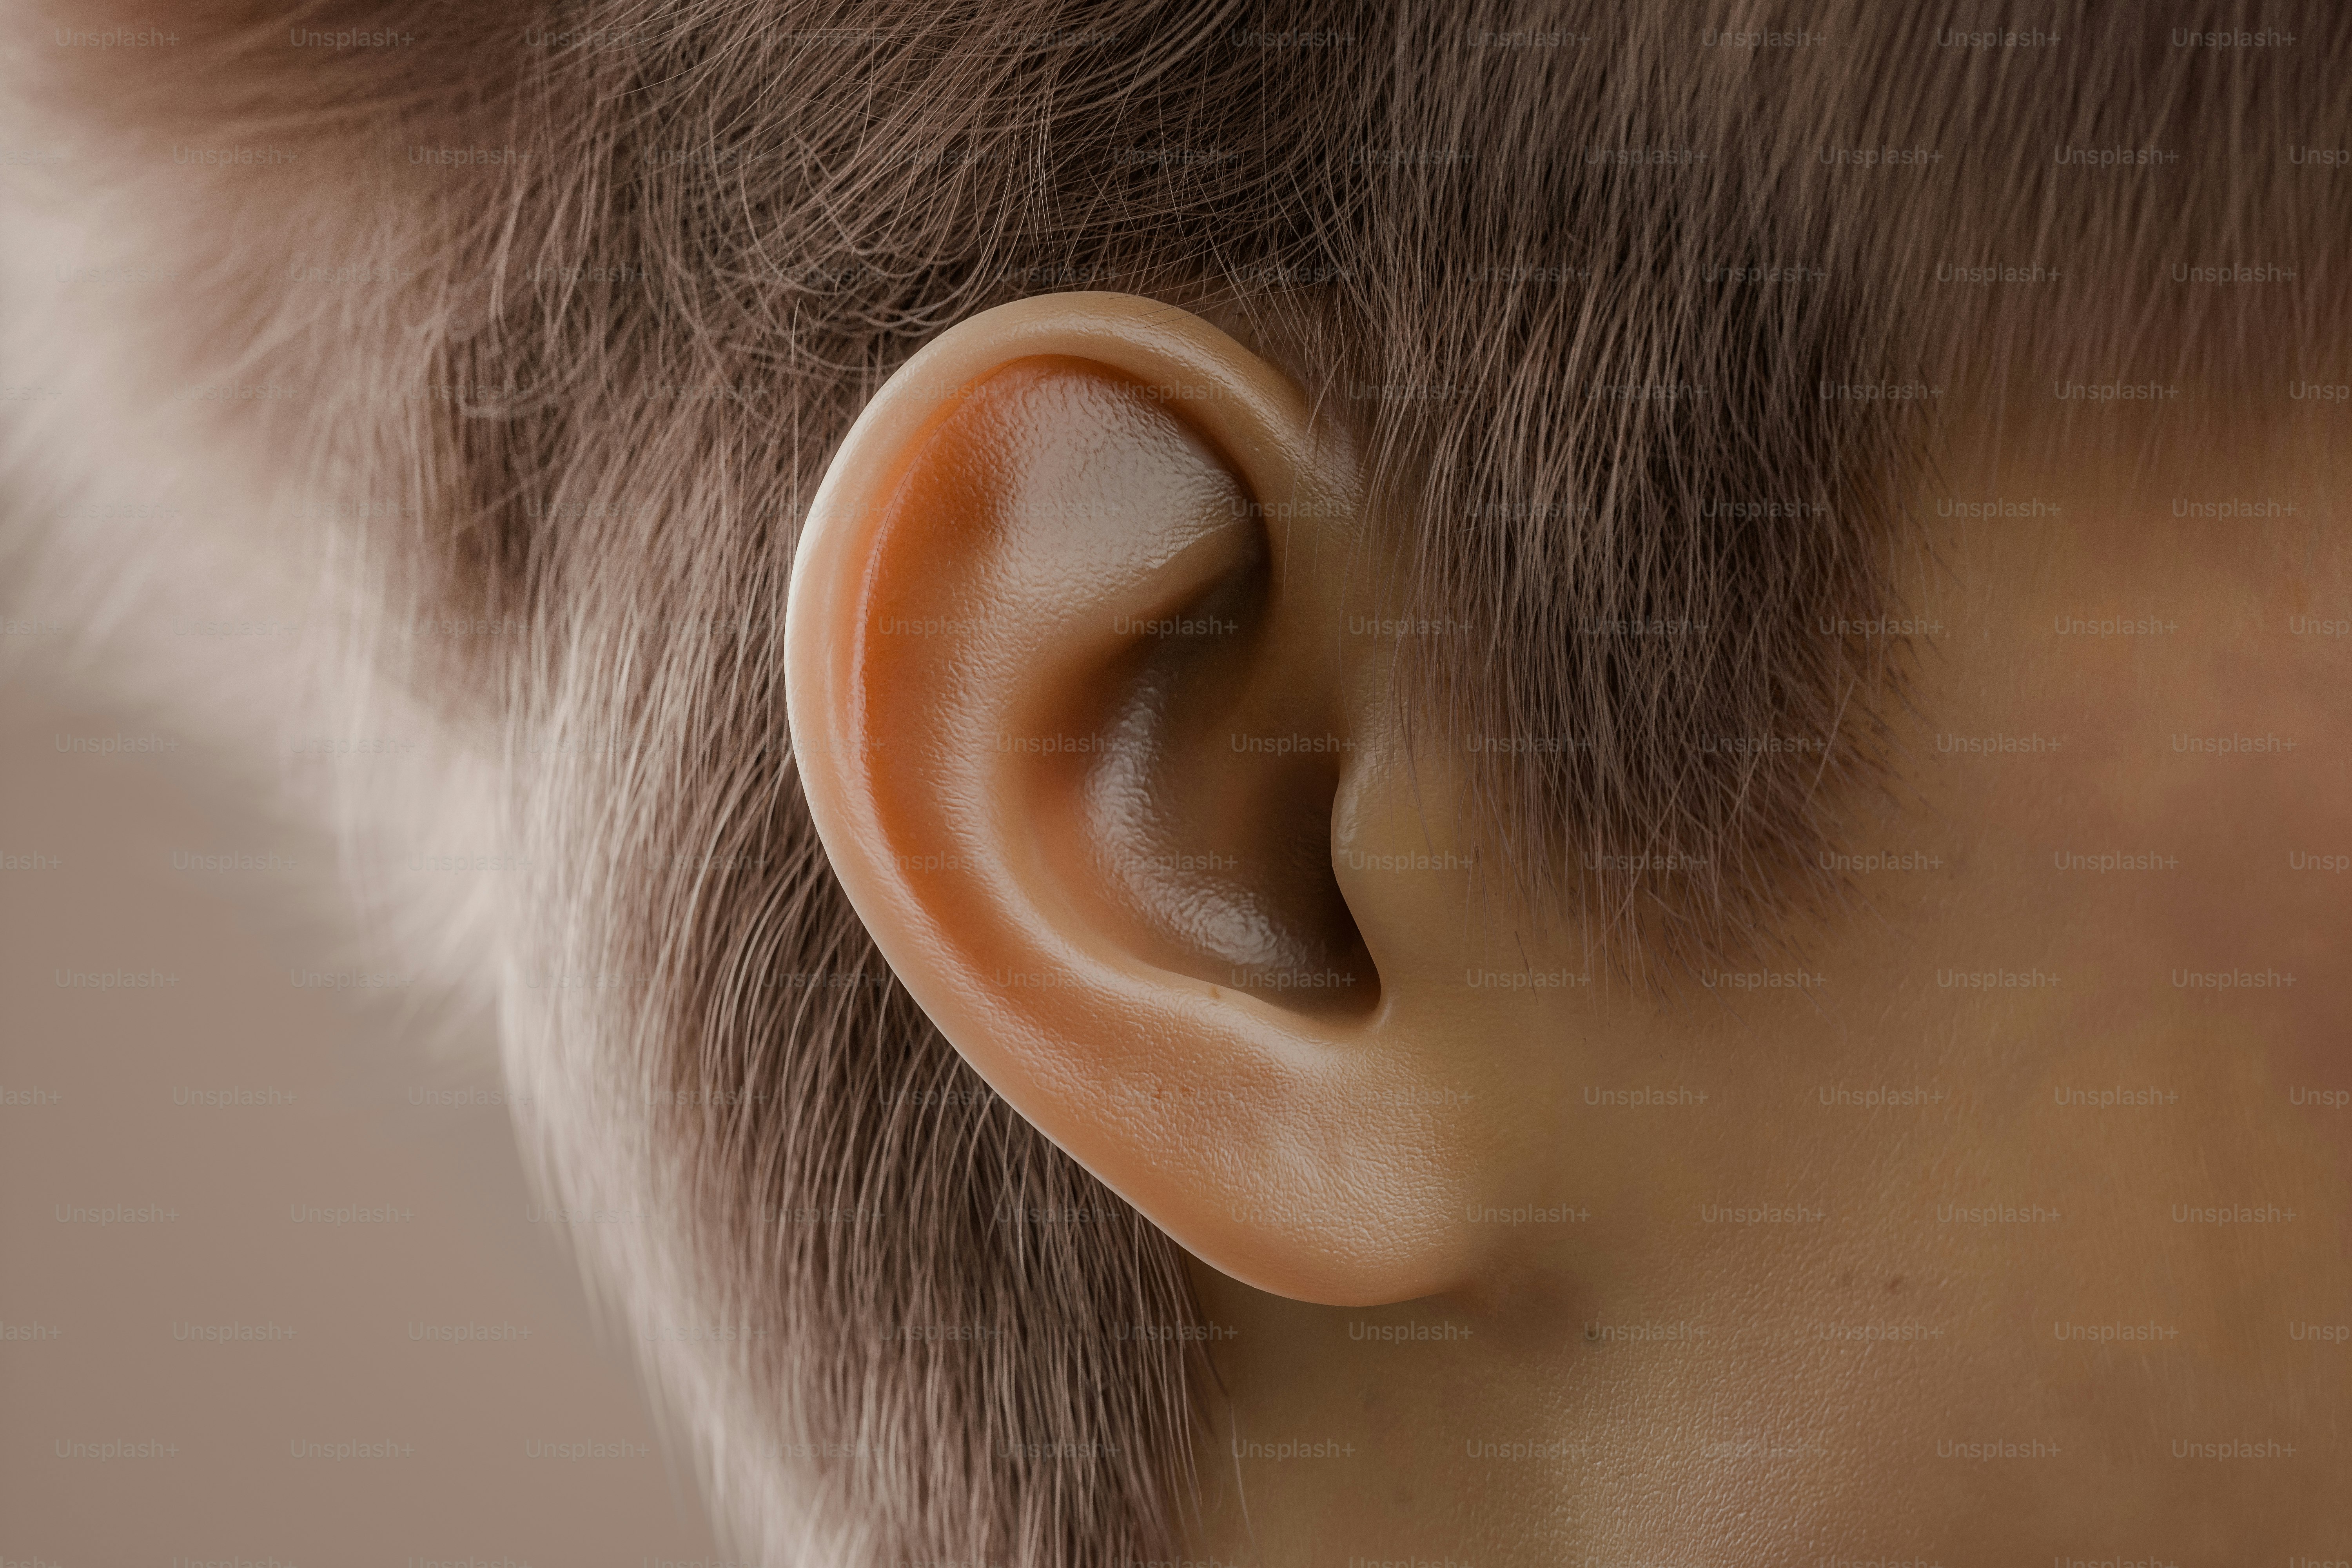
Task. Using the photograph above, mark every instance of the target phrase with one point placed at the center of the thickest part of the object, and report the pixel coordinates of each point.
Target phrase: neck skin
(1936, 1269)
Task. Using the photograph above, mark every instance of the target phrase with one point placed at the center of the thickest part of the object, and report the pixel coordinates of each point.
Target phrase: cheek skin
(2222, 899)
(2252, 819)
(2128, 778)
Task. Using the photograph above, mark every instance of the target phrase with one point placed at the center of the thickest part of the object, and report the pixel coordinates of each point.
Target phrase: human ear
(1075, 712)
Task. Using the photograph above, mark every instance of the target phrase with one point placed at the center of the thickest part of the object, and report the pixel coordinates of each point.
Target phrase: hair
(1646, 368)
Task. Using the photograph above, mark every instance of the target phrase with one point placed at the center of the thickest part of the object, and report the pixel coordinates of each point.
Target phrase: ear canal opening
(1208, 809)
(1330, 969)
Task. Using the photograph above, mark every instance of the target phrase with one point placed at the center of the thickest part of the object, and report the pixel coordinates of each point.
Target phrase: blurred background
(272, 1289)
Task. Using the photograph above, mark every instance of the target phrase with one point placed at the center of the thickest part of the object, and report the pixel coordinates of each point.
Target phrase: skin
(1465, 1247)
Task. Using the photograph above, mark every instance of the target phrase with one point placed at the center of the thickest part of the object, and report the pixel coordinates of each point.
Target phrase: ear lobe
(1071, 718)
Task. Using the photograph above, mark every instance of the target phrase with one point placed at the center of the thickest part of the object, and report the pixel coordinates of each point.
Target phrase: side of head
(1227, 726)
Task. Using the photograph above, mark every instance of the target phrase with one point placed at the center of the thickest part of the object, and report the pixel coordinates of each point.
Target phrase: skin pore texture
(2003, 1217)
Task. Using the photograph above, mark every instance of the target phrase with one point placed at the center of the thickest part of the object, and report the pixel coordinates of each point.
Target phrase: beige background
(98, 1343)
